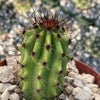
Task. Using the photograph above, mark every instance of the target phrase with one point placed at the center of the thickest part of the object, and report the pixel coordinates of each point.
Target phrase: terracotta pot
(83, 68)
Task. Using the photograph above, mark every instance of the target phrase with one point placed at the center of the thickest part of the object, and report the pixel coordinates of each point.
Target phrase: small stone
(6, 74)
(79, 53)
(5, 95)
(83, 95)
(86, 55)
(63, 2)
(1, 48)
(94, 90)
(97, 97)
(68, 84)
(69, 79)
(7, 86)
(72, 74)
(69, 89)
(93, 97)
(11, 1)
(11, 52)
(79, 77)
(62, 96)
(78, 83)
(23, 99)
(66, 98)
(1, 88)
(91, 86)
(99, 91)
(14, 96)
(87, 78)
(11, 61)
(87, 89)
(76, 91)
(98, 1)
(17, 90)
(85, 11)
(71, 97)
(72, 67)
(12, 87)
(38, 2)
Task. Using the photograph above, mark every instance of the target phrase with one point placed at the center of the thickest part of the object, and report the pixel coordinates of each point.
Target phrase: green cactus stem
(44, 55)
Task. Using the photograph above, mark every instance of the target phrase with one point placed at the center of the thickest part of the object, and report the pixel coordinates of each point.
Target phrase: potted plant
(44, 56)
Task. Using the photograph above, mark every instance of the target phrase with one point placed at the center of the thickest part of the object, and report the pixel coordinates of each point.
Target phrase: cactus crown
(44, 55)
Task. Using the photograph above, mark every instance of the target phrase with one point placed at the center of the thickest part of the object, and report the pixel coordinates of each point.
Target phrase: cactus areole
(44, 56)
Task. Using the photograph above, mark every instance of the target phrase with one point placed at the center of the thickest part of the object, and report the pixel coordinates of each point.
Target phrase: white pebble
(83, 95)
(69, 89)
(5, 95)
(91, 86)
(97, 97)
(72, 74)
(69, 79)
(62, 96)
(6, 74)
(78, 83)
(14, 96)
(5, 86)
(87, 78)
(76, 91)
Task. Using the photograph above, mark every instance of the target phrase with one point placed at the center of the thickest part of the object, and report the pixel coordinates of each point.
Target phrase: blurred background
(84, 14)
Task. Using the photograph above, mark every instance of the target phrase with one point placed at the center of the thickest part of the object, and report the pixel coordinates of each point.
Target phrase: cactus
(82, 4)
(23, 5)
(44, 55)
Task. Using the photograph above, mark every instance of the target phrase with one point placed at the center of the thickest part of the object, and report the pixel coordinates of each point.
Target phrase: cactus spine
(44, 55)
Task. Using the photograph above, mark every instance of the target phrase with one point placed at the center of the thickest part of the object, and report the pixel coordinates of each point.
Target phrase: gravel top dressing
(78, 86)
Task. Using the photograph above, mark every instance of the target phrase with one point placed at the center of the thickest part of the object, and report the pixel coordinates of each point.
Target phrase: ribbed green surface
(47, 67)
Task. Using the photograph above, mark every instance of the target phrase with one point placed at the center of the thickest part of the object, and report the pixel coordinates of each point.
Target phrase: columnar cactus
(44, 55)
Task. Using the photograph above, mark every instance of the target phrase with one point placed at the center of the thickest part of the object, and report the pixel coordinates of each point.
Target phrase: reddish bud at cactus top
(50, 21)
